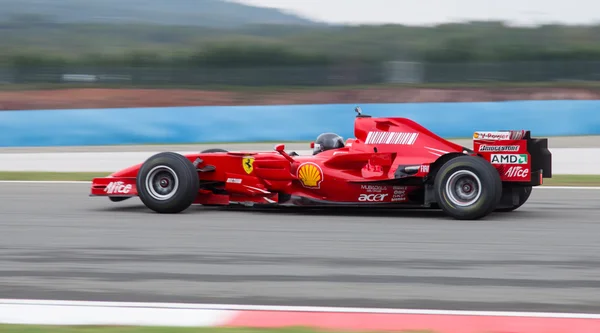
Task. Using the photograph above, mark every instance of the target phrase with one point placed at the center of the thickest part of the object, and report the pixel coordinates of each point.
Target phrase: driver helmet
(327, 141)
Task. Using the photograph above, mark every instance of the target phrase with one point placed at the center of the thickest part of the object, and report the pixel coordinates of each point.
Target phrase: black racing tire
(524, 194)
(482, 182)
(172, 173)
(214, 150)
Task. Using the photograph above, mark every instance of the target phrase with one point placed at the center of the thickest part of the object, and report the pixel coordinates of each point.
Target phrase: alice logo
(310, 175)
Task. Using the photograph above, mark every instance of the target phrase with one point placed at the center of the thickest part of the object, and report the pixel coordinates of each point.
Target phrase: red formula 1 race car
(391, 162)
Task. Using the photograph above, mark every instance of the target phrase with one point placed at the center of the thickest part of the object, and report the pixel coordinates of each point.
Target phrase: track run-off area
(59, 244)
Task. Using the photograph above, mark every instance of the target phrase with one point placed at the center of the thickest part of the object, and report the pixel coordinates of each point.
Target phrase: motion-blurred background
(217, 44)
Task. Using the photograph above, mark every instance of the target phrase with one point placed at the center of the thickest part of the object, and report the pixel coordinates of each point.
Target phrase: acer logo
(517, 171)
(117, 188)
(372, 197)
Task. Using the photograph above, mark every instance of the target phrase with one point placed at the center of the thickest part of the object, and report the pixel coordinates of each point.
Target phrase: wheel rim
(162, 183)
(463, 188)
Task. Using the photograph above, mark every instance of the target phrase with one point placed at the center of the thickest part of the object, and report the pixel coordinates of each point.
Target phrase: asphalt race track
(58, 243)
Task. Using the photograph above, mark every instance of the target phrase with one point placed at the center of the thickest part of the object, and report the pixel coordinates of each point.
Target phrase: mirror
(312, 144)
(280, 148)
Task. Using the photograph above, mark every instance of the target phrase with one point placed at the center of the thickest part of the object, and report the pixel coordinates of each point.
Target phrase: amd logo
(509, 159)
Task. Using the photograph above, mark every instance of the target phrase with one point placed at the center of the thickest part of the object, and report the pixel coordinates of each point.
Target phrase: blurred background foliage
(181, 36)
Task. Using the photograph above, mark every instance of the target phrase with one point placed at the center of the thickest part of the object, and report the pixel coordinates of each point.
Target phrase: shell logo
(475, 135)
(310, 175)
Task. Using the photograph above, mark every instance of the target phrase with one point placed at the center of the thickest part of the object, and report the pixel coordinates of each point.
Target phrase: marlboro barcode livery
(391, 163)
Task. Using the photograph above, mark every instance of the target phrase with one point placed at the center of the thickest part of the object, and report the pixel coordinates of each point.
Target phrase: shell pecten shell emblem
(310, 175)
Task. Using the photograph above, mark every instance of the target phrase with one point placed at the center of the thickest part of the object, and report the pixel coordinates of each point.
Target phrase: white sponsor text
(373, 188)
(509, 159)
(372, 197)
(484, 148)
(517, 171)
(117, 188)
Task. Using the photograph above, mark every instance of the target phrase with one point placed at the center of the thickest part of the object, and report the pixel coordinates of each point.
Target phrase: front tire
(468, 188)
(168, 183)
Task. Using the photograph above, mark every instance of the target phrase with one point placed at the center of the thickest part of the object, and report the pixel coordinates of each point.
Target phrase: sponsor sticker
(118, 188)
(372, 197)
(391, 138)
(486, 148)
(399, 194)
(517, 171)
(425, 168)
(373, 188)
(248, 164)
(234, 180)
(509, 159)
(310, 175)
(491, 135)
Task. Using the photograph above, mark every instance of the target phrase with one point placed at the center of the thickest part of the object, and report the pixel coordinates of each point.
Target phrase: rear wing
(517, 156)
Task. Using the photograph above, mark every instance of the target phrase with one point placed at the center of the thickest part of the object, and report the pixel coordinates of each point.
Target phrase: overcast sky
(411, 12)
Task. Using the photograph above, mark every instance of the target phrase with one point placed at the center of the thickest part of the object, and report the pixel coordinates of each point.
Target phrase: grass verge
(556, 180)
(53, 176)
(121, 329)
(573, 180)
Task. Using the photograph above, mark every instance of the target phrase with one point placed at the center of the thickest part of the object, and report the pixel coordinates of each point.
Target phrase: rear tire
(168, 183)
(468, 188)
(524, 193)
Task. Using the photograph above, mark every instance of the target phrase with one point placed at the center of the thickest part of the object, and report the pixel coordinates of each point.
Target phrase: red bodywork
(387, 162)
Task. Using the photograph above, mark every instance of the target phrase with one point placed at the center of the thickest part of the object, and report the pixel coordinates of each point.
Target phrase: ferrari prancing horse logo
(248, 164)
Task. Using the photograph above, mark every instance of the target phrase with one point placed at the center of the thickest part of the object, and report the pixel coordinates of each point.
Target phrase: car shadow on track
(134, 205)
(400, 213)
(337, 212)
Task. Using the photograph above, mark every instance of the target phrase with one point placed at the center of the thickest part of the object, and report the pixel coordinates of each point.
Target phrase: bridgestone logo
(498, 148)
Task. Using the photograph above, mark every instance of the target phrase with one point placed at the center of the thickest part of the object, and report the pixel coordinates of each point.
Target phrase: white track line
(236, 307)
(75, 313)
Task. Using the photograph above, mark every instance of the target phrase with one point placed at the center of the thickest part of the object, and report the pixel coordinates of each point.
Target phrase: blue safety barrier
(284, 122)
